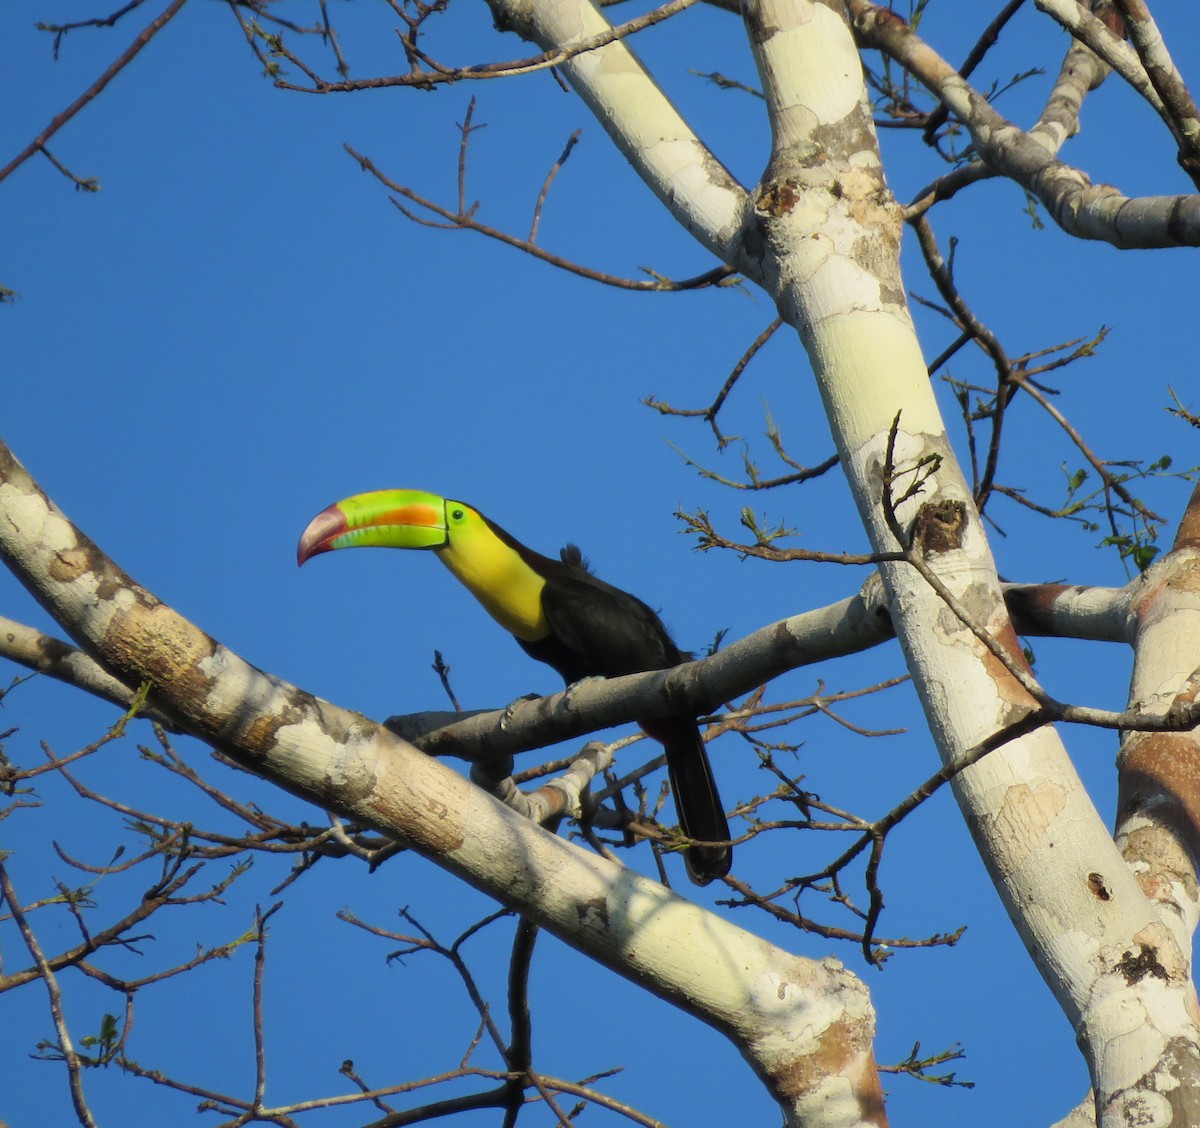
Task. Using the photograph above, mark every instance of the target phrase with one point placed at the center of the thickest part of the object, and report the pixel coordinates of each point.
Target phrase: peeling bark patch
(940, 527)
(52, 649)
(777, 199)
(69, 564)
(843, 1051)
(1160, 860)
(870, 1091)
(1160, 778)
(1027, 813)
(1099, 889)
(1019, 700)
(152, 642)
(260, 735)
(1136, 966)
(109, 586)
(427, 822)
(1033, 607)
(595, 911)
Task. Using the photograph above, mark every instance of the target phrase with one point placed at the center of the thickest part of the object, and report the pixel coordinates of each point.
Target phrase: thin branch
(60, 30)
(914, 556)
(438, 74)
(710, 413)
(38, 144)
(972, 327)
(1101, 468)
(1180, 112)
(719, 276)
(46, 973)
(572, 141)
(986, 41)
(1079, 207)
(260, 962)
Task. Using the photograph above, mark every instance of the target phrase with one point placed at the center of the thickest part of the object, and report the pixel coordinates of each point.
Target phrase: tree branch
(1079, 207)
(344, 762)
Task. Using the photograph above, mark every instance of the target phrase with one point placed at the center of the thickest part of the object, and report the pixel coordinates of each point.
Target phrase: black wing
(597, 629)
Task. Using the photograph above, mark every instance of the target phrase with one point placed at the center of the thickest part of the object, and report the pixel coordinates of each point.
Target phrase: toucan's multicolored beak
(381, 518)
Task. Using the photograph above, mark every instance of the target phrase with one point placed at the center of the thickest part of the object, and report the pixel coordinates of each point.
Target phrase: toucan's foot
(511, 707)
(573, 686)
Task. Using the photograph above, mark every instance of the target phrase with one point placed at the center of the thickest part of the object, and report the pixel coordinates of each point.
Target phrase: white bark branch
(830, 241)
(1079, 207)
(1050, 610)
(1158, 831)
(695, 187)
(1100, 38)
(804, 1026)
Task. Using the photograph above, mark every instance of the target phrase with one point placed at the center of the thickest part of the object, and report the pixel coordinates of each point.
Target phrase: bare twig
(719, 276)
(436, 74)
(710, 413)
(572, 141)
(986, 41)
(46, 973)
(38, 144)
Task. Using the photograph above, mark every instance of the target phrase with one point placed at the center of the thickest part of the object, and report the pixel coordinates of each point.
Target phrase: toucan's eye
(456, 514)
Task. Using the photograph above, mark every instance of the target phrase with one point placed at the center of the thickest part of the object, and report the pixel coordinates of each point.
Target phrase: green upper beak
(381, 518)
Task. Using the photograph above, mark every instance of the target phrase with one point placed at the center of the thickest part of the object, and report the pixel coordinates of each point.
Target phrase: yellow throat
(494, 573)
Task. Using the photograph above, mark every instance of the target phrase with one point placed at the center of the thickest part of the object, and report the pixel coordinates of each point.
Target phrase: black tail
(697, 801)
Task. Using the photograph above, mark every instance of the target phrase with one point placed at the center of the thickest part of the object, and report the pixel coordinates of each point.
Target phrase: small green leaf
(1143, 556)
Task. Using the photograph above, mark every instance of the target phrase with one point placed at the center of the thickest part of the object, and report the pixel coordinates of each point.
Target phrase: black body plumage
(597, 629)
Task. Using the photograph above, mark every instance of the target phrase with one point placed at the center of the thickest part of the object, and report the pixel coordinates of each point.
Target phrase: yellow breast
(510, 591)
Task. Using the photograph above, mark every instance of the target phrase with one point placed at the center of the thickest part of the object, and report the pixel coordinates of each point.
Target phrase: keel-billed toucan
(560, 614)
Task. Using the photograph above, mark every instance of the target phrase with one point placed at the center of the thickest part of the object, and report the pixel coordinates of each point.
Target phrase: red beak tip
(322, 529)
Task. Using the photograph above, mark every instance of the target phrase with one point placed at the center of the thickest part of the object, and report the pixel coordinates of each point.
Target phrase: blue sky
(239, 328)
